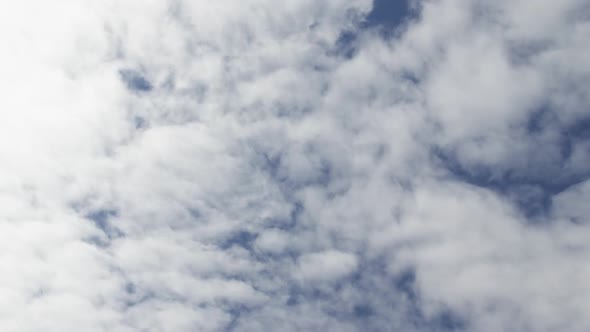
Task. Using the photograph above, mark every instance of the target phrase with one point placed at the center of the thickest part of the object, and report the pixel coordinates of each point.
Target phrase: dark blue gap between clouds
(135, 80)
(385, 17)
(531, 192)
(388, 14)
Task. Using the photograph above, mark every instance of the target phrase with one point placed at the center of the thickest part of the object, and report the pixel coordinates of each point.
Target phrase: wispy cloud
(256, 165)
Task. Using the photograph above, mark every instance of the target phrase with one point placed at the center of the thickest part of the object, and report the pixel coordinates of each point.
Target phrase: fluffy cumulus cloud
(258, 165)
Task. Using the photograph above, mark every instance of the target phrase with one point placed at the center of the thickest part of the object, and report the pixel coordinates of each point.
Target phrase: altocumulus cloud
(297, 165)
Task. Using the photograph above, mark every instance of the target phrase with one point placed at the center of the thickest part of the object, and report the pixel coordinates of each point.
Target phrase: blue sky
(389, 14)
(253, 165)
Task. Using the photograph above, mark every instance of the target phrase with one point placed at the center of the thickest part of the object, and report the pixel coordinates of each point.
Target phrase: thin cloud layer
(295, 166)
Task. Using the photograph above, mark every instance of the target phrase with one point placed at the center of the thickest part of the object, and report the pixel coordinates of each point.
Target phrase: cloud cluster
(295, 166)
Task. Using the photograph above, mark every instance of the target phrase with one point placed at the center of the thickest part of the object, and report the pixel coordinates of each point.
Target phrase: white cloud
(326, 266)
(261, 181)
(571, 203)
(273, 241)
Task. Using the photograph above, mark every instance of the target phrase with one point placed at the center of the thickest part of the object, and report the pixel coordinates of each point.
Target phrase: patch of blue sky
(135, 81)
(385, 17)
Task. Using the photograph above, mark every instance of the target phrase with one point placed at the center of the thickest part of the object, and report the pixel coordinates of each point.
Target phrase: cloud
(326, 266)
(258, 166)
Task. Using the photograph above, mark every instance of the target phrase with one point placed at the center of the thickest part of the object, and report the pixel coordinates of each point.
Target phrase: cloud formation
(295, 166)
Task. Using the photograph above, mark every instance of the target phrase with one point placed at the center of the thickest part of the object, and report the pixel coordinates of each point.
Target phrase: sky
(297, 165)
